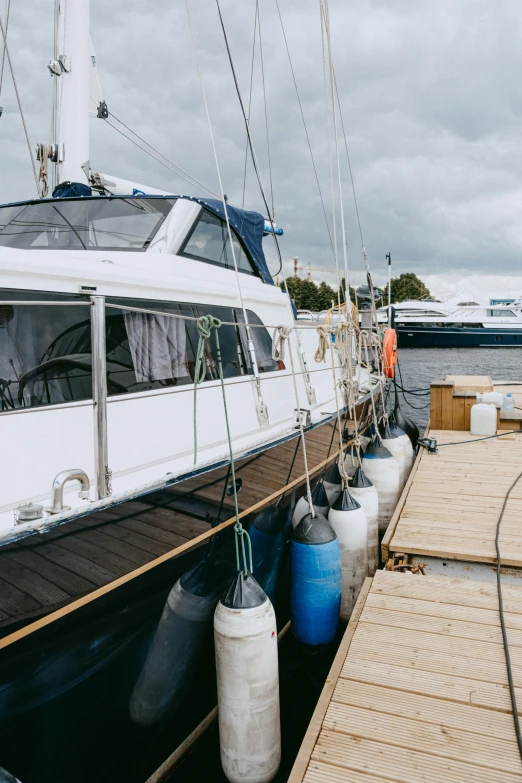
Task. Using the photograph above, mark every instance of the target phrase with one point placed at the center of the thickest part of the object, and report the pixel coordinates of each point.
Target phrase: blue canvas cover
(249, 225)
(71, 190)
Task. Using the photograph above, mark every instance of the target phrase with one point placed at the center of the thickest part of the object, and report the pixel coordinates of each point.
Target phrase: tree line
(309, 296)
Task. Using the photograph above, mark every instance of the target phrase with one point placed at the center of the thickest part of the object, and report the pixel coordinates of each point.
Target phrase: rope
(205, 325)
(158, 156)
(342, 471)
(266, 114)
(487, 437)
(279, 338)
(512, 693)
(324, 339)
(351, 176)
(301, 429)
(8, 10)
(44, 152)
(249, 136)
(328, 134)
(29, 147)
(364, 338)
(250, 344)
(305, 126)
(250, 99)
(334, 116)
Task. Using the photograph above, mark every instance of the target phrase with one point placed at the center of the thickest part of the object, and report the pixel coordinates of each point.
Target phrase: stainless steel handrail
(99, 395)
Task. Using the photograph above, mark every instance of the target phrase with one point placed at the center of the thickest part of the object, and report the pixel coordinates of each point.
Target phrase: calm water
(420, 366)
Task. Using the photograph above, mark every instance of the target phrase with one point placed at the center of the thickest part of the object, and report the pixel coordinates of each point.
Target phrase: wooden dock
(418, 690)
(451, 504)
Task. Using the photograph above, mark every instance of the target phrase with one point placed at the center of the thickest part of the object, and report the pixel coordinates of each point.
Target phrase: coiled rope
(324, 339)
(279, 338)
(205, 325)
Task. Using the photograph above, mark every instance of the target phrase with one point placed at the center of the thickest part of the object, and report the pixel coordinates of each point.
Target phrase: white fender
(333, 483)
(319, 501)
(396, 448)
(383, 471)
(348, 519)
(409, 457)
(368, 499)
(247, 684)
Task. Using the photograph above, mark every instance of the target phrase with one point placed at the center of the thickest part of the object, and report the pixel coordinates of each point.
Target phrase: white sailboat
(103, 494)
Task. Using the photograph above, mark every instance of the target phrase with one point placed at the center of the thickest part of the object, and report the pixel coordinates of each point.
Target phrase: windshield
(84, 224)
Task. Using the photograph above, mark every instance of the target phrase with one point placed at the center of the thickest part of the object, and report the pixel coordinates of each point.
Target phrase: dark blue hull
(457, 337)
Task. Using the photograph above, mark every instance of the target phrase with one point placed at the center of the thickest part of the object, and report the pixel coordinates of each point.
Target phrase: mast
(70, 68)
(73, 107)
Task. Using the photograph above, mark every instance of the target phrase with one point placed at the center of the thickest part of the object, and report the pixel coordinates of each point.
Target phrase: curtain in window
(158, 346)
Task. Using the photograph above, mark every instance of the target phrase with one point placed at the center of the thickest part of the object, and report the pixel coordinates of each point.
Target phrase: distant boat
(459, 322)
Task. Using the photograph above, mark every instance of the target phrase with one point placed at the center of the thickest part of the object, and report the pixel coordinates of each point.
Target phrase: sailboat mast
(72, 126)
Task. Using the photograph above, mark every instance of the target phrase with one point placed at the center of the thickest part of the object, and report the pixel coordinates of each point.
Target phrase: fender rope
(205, 325)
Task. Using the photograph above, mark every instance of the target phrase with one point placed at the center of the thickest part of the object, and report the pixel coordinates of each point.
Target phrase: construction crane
(308, 269)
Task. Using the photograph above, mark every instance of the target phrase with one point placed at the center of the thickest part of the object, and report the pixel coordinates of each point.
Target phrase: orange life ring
(389, 352)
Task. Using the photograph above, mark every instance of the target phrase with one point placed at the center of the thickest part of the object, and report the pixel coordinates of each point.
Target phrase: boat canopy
(249, 225)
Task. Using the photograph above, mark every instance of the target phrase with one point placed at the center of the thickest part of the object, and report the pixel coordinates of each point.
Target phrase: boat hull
(448, 337)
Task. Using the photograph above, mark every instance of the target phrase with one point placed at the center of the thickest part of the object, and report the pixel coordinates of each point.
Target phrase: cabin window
(209, 241)
(501, 314)
(83, 224)
(46, 356)
(262, 343)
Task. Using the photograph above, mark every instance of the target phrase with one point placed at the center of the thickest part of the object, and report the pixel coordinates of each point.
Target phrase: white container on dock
(483, 419)
(492, 398)
(508, 405)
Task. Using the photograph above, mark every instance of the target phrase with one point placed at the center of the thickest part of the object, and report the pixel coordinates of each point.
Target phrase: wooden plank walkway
(451, 505)
(418, 690)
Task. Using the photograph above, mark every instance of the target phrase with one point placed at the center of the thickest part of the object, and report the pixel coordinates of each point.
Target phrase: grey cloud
(431, 97)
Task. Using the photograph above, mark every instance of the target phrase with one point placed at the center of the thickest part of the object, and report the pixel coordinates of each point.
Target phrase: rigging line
(161, 162)
(266, 115)
(182, 173)
(250, 142)
(218, 171)
(351, 175)
(334, 112)
(6, 50)
(250, 99)
(305, 125)
(328, 135)
(3, 53)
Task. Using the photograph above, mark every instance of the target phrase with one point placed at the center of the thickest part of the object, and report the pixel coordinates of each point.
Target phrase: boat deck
(42, 573)
(418, 690)
(452, 500)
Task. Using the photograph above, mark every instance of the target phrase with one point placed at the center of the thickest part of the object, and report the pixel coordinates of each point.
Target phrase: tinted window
(84, 224)
(209, 241)
(501, 314)
(46, 355)
(262, 343)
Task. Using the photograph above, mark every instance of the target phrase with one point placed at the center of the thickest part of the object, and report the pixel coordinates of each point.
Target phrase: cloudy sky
(432, 102)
